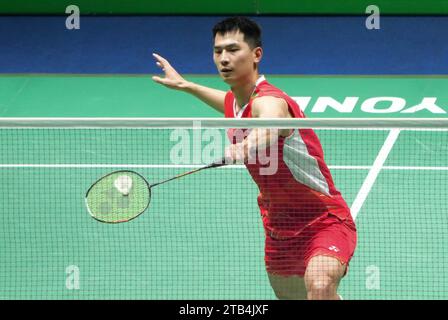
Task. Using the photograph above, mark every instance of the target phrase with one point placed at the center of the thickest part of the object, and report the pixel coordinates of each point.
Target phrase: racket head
(106, 203)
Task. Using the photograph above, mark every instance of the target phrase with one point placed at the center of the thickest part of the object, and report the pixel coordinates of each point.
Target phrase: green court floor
(202, 236)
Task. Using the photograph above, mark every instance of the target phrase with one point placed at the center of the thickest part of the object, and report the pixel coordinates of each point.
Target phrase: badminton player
(310, 233)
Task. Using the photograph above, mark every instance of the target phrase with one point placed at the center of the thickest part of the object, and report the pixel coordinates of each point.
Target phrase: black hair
(249, 28)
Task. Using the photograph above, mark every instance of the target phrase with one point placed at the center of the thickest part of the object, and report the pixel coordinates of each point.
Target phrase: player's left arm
(261, 138)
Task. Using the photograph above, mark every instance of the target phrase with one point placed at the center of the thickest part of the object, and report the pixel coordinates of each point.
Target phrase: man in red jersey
(310, 233)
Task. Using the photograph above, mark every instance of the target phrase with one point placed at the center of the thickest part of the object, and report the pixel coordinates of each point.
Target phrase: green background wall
(248, 7)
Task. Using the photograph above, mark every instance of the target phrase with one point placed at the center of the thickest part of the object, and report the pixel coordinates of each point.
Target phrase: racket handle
(218, 163)
(215, 164)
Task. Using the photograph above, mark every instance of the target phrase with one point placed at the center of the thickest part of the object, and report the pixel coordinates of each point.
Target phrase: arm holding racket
(173, 80)
(261, 138)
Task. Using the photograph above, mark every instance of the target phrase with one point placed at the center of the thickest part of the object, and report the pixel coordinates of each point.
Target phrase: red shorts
(330, 236)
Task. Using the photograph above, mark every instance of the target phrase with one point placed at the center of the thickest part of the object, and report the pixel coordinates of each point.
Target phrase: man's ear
(258, 54)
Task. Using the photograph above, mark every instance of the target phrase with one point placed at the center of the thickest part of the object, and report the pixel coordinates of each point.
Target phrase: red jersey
(301, 191)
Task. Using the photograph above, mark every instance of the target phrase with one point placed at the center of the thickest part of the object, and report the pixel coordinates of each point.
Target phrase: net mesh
(202, 236)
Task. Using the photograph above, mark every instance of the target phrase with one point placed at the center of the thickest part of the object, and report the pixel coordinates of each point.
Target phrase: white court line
(183, 166)
(130, 166)
(414, 168)
(373, 173)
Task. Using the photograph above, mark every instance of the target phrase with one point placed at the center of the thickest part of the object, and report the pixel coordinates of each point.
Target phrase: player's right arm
(173, 80)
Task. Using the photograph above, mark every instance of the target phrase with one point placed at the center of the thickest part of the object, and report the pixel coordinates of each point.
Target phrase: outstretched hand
(172, 79)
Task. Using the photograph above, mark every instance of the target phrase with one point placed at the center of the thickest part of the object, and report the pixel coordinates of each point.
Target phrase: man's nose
(224, 60)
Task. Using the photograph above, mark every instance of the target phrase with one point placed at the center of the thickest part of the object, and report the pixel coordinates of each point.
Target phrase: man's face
(233, 57)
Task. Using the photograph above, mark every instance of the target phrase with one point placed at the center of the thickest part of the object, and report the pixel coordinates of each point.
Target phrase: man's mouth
(226, 70)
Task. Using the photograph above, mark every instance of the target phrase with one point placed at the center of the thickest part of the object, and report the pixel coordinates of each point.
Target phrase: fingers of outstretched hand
(161, 80)
(161, 61)
(157, 79)
(167, 82)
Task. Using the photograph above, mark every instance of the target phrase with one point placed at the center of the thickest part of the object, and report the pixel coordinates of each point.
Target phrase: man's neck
(244, 91)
